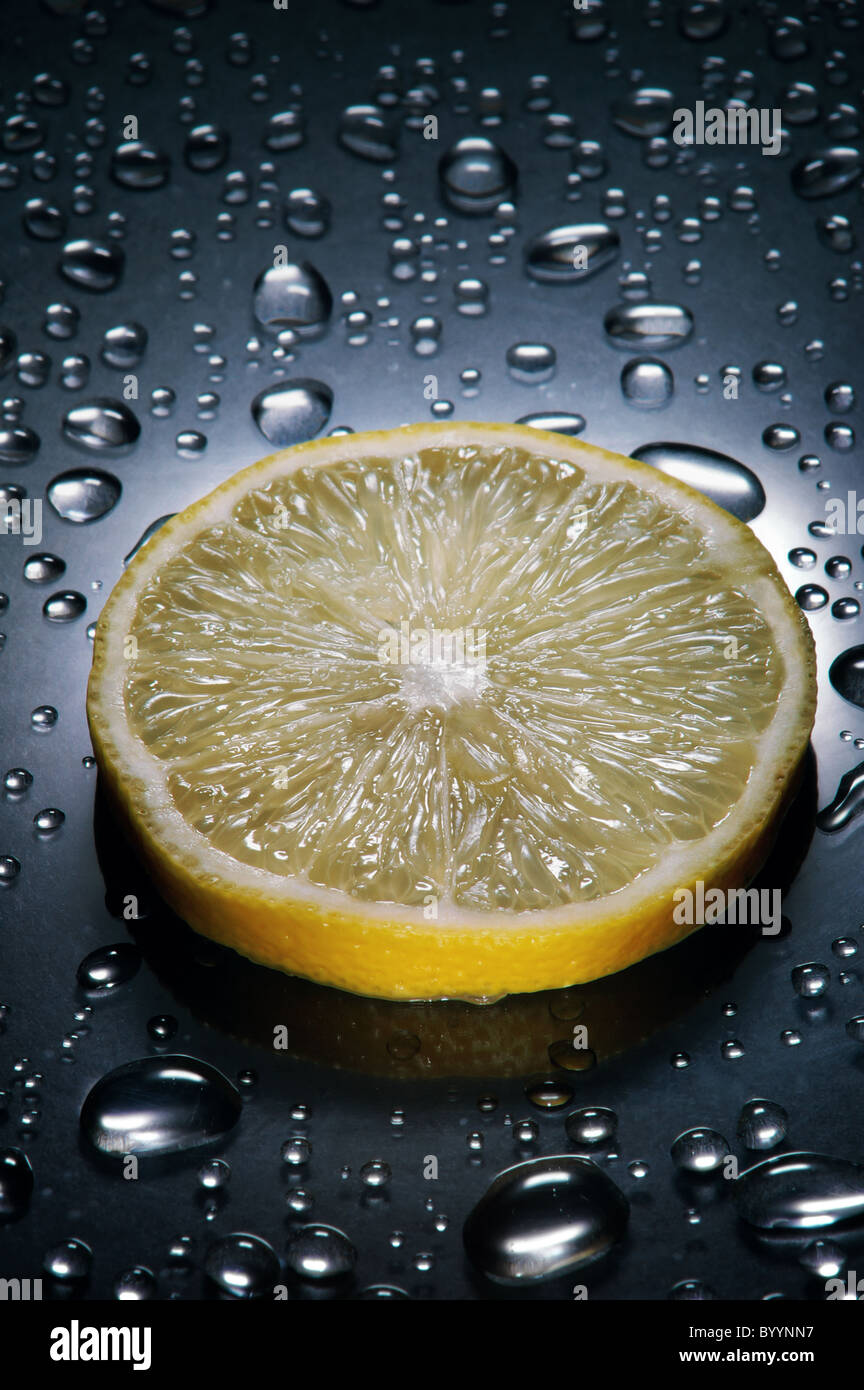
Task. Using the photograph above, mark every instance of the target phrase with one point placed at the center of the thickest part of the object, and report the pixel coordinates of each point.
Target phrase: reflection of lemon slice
(450, 710)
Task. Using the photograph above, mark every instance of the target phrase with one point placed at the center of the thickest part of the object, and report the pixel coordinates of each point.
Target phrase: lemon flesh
(433, 684)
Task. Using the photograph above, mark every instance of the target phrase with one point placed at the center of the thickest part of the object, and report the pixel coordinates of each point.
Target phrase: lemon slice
(449, 711)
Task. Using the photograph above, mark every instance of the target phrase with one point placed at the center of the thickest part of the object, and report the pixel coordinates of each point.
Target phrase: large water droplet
(531, 362)
(543, 1218)
(292, 411)
(292, 296)
(564, 255)
(723, 479)
(68, 1261)
(103, 425)
(65, 606)
(476, 175)
(800, 1191)
(649, 325)
(84, 494)
(159, 1105)
(827, 172)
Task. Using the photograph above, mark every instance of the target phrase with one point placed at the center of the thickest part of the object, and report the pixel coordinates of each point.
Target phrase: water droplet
(320, 1252)
(83, 494)
(647, 382)
(140, 165)
(109, 966)
(44, 717)
(286, 130)
(827, 172)
(307, 213)
(531, 362)
(135, 1285)
(92, 265)
(592, 1125)
(68, 1261)
(296, 1151)
(648, 325)
(700, 1151)
(102, 425)
(848, 801)
(292, 296)
(559, 422)
(810, 980)
(147, 535)
(242, 1265)
(292, 411)
(207, 148)
(124, 345)
(17, 781)
(43, 568)
(159, 1105)
(65, 606)
(476, 175)
(811, 597)
(563, 255)
(16, 1184)
(369, 132)
(723, 479)
(800, 1191)
(762, 1124)
(375, 1173)
(18, 444)
(645, 112)
(543, 1218)
(846, 674)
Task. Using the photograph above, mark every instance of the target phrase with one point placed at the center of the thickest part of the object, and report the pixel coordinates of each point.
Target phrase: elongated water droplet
(800, 1191)
(146, 535)
(723, 479)
(827, 172)
(848, 801)
(109, 966)
(648, 325)
(102, 425)
(65, 606)
(559, 422)
(645, 112)
(564, 255)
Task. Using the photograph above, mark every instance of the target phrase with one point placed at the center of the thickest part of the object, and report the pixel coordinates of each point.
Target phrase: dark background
(320, 59)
